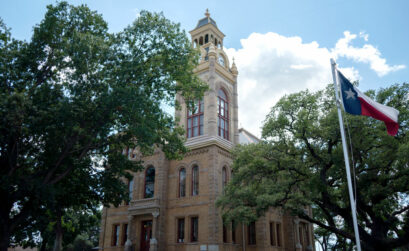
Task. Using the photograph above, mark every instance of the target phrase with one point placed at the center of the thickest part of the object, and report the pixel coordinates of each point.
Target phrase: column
(211, 111)
(154, 241)
(298, 246)
(130, 234)
(309, 236)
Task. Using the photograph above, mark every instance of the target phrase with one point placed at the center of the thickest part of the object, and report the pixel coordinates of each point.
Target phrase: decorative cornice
(225, 153)
(206, 140)
(196, 152)
(143, 205)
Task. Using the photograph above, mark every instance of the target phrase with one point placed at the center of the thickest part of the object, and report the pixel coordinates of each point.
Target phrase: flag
(357, 103)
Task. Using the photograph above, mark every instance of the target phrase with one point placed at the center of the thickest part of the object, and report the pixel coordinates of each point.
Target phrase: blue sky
(280, 46)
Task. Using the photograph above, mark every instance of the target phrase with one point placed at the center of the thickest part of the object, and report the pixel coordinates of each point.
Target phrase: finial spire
(207, 14)
(234, 68)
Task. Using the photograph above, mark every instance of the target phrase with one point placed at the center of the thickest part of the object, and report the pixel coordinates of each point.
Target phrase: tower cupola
(206, 31)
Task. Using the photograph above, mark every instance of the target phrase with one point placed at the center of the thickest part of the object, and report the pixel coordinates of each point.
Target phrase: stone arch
(226, 58)
(227, 89)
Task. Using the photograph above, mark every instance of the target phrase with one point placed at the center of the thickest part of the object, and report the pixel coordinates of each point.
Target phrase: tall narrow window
(224, 233)
(194, 231)
(278, 230)
(115, 235)
(223, 114)
(233, 231)
(300, 232)
(224, 178)
(195, 117)
(195, 180)
(149, 182)
(181, 231)
(304, 234)
(206, 38)
(251, 231)
(307, 234)
(272, 234)
(130, 189)
(182, 182)
(124, 234)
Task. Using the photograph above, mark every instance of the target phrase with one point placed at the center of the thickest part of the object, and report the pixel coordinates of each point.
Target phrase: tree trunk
(58, 233)
(4, 234)
(44, 244)
(4, 238)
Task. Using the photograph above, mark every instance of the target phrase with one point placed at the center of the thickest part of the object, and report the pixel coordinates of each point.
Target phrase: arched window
(195, 116)
(206, 38)
(149, 182)
(223, 114)
(224, 177)
(182, 182)
(195, 180)
(201, 41)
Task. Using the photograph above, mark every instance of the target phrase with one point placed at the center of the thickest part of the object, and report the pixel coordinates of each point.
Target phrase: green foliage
(81, 243)
(71, 99)
(300, 163)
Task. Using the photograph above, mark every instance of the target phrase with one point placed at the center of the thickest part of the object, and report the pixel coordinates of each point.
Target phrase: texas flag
(357, 103)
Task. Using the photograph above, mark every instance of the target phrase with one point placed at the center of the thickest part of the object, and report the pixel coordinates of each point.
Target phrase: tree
(72, 98)
(300, 163)
(77, 226)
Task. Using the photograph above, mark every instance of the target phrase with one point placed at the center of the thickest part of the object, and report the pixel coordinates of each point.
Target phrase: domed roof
(206, 20)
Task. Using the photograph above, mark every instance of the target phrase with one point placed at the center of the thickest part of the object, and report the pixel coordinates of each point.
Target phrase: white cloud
(271, 65)
(366, 54)
(364, 35)
(351, 73)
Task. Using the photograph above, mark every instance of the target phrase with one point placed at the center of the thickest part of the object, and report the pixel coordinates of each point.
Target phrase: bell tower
(214, 119)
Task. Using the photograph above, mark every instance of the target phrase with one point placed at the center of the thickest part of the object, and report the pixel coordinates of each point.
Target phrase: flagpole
(344, 146)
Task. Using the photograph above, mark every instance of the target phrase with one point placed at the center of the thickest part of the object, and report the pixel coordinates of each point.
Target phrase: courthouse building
(172, 203)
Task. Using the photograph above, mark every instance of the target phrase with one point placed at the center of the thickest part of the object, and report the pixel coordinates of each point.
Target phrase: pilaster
(154, 241)
(298, 246)
(130, 234)
(235, 104)
(212, 95)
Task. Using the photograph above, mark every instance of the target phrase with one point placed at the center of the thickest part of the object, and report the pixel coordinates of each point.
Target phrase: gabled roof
(245, 137)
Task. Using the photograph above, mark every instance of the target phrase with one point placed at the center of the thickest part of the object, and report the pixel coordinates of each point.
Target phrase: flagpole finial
(207, 14)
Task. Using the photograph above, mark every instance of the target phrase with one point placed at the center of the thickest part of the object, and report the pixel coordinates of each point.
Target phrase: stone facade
(156, 219)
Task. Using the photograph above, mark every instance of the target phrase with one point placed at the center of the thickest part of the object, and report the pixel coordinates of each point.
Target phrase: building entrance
(146, 235)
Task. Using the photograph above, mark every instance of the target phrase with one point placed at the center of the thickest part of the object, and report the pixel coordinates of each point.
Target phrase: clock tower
(214, 119)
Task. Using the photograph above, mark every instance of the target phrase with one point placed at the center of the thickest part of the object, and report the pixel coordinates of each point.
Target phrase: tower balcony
(144, 206)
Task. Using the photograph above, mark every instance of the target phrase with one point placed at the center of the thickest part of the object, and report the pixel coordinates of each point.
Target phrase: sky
(280, 47)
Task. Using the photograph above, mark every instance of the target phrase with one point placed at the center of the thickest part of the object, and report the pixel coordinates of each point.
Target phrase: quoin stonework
(172, 205)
